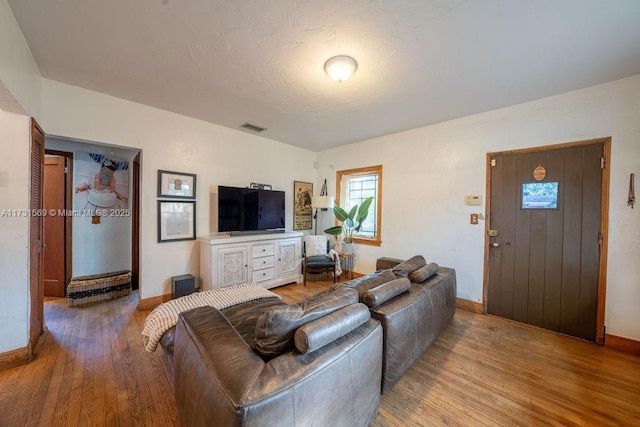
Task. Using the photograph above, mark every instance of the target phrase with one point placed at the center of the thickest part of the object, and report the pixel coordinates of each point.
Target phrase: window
(355, 185)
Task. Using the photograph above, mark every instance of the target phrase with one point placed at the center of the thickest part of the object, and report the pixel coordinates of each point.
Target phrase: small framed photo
(176, 220)
(176, 185)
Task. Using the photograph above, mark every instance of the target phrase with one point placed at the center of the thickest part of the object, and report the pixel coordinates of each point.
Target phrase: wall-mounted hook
(632, 197)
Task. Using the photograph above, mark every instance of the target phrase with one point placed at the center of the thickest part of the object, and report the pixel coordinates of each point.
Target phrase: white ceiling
(420, 62)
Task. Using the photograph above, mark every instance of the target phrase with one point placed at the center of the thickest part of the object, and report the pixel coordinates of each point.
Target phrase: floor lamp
(321, 203)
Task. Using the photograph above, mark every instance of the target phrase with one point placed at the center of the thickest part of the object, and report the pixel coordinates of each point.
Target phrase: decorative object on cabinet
(176, 185)
(176, 220)
(302, 206)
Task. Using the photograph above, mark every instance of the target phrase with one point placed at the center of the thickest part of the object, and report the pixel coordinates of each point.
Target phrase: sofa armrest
(220, 380)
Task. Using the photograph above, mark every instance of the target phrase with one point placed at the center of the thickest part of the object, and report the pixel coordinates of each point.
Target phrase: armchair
(314, 256)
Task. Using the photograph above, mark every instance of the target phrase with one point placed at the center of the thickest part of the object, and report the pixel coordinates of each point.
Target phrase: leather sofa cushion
(364, 283)
(383, 293)
(325, 330)
(276, 326)
(405, 268)
(423, 273)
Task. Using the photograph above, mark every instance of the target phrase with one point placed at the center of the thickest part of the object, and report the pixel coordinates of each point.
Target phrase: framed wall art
(302, 212)
(176, 185)
(176, 220)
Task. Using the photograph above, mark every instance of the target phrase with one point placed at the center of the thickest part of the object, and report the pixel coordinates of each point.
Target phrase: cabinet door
(288, 257)
(232, 266)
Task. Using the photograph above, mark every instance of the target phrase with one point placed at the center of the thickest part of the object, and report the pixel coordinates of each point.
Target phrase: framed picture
(176, 185)
(176, 220)
(302, 212)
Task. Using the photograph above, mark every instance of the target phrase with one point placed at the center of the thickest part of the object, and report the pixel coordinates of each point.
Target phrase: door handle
(495, 244)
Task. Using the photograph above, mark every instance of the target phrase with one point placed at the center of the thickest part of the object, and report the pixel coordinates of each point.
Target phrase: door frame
(604, 222)
(68, 206)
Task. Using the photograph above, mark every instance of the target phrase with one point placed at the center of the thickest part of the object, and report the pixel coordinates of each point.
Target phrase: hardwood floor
(91, 370)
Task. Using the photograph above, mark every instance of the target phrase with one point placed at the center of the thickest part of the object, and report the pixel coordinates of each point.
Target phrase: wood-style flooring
(91, 370)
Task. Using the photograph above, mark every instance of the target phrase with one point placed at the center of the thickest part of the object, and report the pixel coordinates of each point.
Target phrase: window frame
(368, 170)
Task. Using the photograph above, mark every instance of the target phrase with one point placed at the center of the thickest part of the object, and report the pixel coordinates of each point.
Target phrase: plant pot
(348, 248)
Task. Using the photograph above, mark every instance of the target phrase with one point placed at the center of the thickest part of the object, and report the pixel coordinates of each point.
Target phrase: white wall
(219, 156)
(14, 229)
(20, 92)
(103, 247)
(427, 171)
(20, 79)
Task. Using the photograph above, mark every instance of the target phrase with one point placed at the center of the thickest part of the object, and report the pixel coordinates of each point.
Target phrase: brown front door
(36, 314)
(545, 244)
(54, 226)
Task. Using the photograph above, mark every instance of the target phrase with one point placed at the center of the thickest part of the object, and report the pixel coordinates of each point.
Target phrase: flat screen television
(250, 210)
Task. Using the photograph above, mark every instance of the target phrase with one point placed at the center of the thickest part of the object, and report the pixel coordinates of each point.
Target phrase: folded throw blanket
(165, 316)
(334, 256)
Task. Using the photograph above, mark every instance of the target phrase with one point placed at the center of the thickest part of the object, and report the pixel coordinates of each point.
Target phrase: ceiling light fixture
(340, 68)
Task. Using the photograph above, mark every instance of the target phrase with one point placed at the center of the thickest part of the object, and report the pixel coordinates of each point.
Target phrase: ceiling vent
(253, 127)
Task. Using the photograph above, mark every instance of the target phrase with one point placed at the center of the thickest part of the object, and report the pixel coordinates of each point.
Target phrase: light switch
(474, 218)
(473, 200)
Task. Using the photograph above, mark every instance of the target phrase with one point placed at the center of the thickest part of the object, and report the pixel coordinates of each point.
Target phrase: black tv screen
(249, 209)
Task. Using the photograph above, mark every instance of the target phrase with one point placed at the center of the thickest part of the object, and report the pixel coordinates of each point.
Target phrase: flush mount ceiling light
(340, 68)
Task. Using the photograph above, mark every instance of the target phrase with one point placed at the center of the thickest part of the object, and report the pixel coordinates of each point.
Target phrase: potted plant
(351, 223)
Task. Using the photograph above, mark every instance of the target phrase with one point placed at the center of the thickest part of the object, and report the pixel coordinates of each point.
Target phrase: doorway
(545, 256)
(58, 172)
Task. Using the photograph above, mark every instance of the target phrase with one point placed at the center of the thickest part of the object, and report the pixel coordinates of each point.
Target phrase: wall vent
(253, 127)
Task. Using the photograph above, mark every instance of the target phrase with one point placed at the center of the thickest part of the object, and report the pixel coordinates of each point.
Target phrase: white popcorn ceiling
(419, 62)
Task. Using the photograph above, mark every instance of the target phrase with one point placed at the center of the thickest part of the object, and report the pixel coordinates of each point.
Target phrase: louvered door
(36, 288)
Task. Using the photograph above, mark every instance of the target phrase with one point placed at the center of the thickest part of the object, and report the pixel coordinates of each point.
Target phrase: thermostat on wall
(473, 200)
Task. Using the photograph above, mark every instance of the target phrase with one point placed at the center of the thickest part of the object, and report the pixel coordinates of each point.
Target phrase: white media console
(267, 259)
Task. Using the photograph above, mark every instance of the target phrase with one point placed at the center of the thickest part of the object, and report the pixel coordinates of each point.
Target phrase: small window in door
(540, 195)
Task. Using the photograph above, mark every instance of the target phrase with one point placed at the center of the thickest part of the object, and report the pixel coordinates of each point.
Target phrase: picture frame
(176, 185)
(176, 220)
(302, 209)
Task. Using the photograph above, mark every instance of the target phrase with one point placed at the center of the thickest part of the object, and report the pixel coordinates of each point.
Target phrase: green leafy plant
(351, 221)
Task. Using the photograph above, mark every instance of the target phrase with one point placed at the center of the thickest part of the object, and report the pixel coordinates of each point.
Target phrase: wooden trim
(604, 221)
(68, 205)
(552, 147)
(12, 358)
(377, 169)
(468, 305)
(604, 227)
(623, 344)
(150, 303)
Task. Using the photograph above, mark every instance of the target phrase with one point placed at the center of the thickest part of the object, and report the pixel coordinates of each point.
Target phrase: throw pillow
(276, 326)
(315, 245)
(405, 268)
(383, 293)
(423, 273)
(327, 329)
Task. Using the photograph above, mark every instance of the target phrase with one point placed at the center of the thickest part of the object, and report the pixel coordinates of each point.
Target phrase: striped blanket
(165, 316)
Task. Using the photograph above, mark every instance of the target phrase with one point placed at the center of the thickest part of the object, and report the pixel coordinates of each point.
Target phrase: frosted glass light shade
(322, 202)
(340, 68)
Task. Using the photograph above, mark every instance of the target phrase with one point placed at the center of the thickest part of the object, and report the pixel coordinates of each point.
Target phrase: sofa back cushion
(327, 329)
(424, 272)
(405, 268)
(276, 326)
(364, 283)
(383, 293)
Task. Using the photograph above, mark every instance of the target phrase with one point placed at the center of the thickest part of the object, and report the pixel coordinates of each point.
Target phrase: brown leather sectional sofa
(321, 362)
(412, 320)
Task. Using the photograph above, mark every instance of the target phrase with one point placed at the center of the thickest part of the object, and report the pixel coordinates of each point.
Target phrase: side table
(347, 264)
